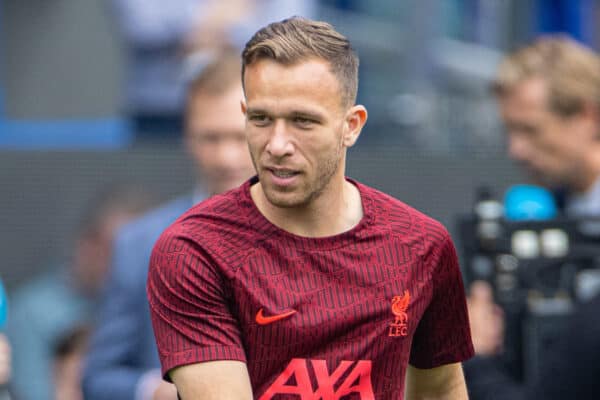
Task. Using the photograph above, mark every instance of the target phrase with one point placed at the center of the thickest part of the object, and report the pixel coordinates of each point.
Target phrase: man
(302, 282)
(549, 101)
(45, 308)
(123, 361)
(549, 98)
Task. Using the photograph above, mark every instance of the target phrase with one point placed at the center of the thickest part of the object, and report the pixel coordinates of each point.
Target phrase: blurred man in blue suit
(122, 362)
(549, 101)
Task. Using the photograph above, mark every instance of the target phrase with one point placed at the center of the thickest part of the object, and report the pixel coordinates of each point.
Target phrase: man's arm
(213, 380)
(441, 383)
(198, 338)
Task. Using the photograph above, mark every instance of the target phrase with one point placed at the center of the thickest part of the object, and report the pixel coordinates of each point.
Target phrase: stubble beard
(307, 192)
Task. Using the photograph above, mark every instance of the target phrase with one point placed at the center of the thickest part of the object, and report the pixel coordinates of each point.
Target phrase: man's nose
(280, 143)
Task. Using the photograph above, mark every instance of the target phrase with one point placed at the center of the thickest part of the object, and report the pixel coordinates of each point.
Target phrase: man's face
(295, 126)
(547, 145)
(216, 140)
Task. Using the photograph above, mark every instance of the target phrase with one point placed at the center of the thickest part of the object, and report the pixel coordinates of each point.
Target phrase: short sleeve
(190, 305)
(443, 335)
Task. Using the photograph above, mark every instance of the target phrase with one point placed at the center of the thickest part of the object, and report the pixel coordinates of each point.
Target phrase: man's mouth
(283, 173)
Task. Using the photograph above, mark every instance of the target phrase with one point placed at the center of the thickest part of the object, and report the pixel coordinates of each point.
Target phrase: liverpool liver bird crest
(399, 306)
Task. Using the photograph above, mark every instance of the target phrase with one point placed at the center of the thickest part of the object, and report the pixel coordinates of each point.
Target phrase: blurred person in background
(163, 37)
(123, 360)
(68, 363)
(549, 99)
(45, 308)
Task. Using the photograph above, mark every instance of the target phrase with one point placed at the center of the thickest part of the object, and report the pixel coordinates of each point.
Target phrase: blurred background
(432, 138)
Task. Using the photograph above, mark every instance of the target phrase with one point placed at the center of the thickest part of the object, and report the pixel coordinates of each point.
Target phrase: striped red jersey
(313, 318)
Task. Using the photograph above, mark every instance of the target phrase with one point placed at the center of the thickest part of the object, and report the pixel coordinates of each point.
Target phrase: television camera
(539, 269)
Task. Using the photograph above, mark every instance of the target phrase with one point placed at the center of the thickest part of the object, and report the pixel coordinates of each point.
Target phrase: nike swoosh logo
(262, 320)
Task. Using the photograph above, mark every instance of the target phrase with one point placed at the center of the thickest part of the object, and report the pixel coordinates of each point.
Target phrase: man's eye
(260, 120)
(303, 122)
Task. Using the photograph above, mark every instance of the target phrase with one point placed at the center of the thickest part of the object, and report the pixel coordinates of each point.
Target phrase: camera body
(539, 270)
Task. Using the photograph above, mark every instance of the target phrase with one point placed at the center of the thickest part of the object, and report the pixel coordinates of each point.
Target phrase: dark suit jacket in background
(122, 348)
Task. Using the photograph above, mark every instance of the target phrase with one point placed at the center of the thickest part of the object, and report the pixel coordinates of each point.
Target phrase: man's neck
(332, 213)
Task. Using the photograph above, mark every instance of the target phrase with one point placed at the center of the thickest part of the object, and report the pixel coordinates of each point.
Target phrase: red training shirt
(313, 318)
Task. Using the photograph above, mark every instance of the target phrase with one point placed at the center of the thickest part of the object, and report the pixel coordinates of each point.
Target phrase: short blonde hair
(299, 39)
(570, 70)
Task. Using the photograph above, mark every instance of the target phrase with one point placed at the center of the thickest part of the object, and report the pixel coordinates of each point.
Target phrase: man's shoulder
(220, 232)
(225, 207)
(401, 216)
(151, 224)
(221, 218)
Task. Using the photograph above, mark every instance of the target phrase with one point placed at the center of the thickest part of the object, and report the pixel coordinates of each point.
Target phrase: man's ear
(356, 118)
(243, 106)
